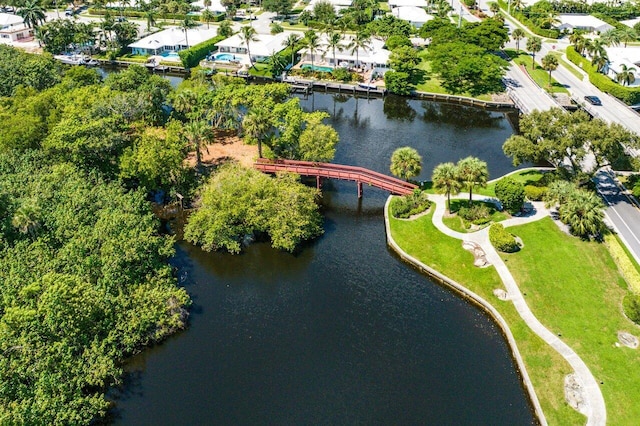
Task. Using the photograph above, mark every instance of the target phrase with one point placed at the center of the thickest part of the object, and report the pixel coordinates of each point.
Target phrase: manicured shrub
(341, 74)
(191, 57)
(535, 193)
(409, 205)
(502, 240)
(510, 193)
(631, 304)
(477, 213)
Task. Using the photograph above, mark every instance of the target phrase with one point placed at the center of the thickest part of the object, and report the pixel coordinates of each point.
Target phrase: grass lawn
(460, 225)
(546, 367)
(575, 289)
(526, 176)
(539, 75)
(260, 70)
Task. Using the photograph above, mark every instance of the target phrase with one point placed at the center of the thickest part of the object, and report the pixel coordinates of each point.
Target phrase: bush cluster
(478, 214)
(191, 57)
(631, 304)
(535, 193)
(398, 83)
(629, 95)
(407, 206)
(511, 194)
(502, 240)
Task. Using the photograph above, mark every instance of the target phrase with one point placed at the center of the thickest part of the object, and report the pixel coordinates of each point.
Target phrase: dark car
(593, 100)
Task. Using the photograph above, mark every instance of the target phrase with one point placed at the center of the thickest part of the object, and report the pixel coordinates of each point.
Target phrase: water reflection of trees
(355, 120)
(435, 112)
(398, 108)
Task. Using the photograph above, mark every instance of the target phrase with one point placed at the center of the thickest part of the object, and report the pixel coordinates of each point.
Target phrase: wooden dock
(307, 86)
(157, 68)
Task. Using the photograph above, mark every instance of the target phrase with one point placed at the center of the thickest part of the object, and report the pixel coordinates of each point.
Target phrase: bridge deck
(359, 175)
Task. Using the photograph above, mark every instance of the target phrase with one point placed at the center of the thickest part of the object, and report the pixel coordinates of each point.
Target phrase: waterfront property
(171, 40)
(261, 49)
(13, 28)
(374, 58)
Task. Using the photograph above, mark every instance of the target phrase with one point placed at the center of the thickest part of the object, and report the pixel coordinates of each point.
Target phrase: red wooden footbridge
(359, 175)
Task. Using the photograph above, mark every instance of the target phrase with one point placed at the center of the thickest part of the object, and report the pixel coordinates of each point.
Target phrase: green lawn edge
(546, 368)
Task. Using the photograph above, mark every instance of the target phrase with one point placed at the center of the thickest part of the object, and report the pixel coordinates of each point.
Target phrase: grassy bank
(580, 298)
(546, 367)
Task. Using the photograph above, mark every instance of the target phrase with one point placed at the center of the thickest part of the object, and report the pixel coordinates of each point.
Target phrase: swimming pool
(224, 57)
(317, 68)
(170, 55)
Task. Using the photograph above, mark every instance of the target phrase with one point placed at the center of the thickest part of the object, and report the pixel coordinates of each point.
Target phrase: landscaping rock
(479, 256)
(501, 294)
(574, 393)
(628, 340)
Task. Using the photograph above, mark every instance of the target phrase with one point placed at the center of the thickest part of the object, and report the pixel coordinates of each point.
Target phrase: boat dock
(307, 86)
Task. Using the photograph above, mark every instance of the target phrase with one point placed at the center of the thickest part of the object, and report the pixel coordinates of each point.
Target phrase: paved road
(525, 93)
(623, 214)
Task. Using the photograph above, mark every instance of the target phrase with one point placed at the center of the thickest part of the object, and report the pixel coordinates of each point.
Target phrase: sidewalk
(594, 408)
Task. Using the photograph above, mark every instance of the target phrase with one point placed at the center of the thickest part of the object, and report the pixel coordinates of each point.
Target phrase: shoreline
(478, 301)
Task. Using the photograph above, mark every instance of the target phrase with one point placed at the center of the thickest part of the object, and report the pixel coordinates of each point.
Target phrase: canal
(342, 332)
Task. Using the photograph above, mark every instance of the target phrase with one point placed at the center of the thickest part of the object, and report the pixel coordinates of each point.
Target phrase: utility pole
(460, 16)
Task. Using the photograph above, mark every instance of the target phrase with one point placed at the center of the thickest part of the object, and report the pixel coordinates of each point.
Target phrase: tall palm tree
(574, 38)
(534, 45)
(334, 41)
(185, 26)
(517, 35)
(627, 35)
(472, 172)
(198, 133)
(626, 76)
(550, 63)
(600, 60)
(445, 181)
(290, 43)
(248, 35)
(257, 126)
(207, 16)
(312, 42)
(362, 40)
(610, 37)
(150, 16)
(32, 13)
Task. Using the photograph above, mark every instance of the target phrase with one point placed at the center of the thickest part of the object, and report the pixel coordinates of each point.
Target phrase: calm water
(343, 332)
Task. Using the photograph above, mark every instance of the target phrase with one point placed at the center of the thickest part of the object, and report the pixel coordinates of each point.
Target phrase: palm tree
(517, 5)
(550, 63)
(610, 38)
(247, 36)
(32, 13)
(575, 38)
(334, 41)
(494, 7)
(290, 42)
(257, 125)
(627, 35)
(445, 181)
(534, 45)
(312, 42)
(406, 163)
(26, 219)
(472, 172)
(207, 16)
(600, 60)
(517, 35)
(362, 40)
(150, 16)
(185, 26)
(583, 212)
(198, 133)
(224, 29)
(626, 76)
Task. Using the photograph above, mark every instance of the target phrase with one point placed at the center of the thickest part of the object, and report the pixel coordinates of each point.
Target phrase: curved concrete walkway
(594, 408)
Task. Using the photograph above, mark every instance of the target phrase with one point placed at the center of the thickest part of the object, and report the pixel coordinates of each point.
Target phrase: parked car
(593, 100)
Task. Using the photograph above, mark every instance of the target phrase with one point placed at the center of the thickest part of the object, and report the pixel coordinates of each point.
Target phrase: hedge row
(629, 95)
(502, 240)
(550, 33)
(626, 267)
(191, 57)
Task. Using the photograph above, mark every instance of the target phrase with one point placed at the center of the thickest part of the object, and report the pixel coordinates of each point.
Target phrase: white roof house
(375, 57)
(416, 16)
(216, 6)
(12, 28)
(265, 46)
(629, 56)
(407, 3)
(578, 21)
(631, 22)
(338, 5)
(172, 39)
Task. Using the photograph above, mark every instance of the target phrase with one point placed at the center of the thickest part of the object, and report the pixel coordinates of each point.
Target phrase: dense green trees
(239, 202)
(556, 136)
(22, 69)
(510, 193)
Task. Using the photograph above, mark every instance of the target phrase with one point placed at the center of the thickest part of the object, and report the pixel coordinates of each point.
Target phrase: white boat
(71, 59)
